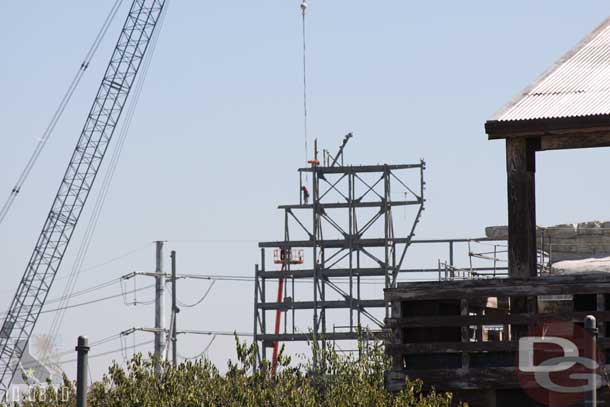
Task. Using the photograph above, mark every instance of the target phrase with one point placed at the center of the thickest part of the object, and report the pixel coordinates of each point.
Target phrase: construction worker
(305, 194)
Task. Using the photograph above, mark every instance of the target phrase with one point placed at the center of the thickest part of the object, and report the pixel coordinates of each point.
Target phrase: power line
(59, 112)
(97, 355)
(214, 333)
(213, 241)
(122, 294)
(91, 344)
(107, 182)
(115, 259)
(205, 295)
(249, 279)
(86, 291)
(93, 301)
(203, 353)
(99, 265)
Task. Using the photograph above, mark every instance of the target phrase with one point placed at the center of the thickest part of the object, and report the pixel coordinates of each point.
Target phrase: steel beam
(360, 168)
(354, 193)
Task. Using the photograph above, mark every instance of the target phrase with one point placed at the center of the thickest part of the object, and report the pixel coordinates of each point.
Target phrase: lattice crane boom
(76, 185)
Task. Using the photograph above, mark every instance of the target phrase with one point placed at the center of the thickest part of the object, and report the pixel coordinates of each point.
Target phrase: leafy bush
(338, 380)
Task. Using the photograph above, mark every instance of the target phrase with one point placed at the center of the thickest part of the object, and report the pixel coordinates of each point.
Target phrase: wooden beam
(499, 319)
(521, 174)
(454, 379)
(531, 128)
(405, 349)
(595, 283)
(573, 141)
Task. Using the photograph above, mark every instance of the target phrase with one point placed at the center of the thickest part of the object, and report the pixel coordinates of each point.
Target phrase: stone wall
(567, 242)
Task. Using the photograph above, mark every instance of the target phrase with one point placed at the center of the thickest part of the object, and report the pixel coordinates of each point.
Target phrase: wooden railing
(464, 334)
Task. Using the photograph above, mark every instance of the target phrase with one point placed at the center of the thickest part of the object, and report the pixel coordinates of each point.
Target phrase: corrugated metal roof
(578, 85)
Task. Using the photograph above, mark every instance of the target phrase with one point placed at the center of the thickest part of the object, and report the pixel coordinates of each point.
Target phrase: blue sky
(218, 132)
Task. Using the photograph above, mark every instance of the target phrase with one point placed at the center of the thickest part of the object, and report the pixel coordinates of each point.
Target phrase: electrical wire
(97, 210)
(95, 267)
(99, 342)
(205, 295)
(59, 112)
(98, 355)
(95, 301)
(203, 353)
(134, 292)
(114, 259)
(86, 291)
(80, 293)
(110, 297)
(250, 279)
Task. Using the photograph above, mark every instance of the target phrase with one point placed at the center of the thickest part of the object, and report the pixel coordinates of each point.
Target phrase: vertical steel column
(390, 239)
(316, 278)
(386, 205)
(82, 367)
(323, 296)
(287, 265)
(359, 310)
(263, 294)
(351, 234)
(256, 321)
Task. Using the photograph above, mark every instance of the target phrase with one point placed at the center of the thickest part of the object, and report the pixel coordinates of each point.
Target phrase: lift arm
(76, 185)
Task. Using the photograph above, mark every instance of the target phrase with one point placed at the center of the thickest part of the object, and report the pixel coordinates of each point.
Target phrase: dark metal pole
(160, 338)
(591, 352)
(175, 311)
(255, 331)
(82, 368)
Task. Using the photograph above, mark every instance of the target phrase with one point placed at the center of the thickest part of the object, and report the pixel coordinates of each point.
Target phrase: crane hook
(304, 6)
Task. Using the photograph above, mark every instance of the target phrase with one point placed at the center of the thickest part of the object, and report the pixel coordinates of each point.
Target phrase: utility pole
(175, 311)
(159, 304)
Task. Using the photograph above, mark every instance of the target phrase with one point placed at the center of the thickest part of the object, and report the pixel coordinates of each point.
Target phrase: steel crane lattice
(76, 185)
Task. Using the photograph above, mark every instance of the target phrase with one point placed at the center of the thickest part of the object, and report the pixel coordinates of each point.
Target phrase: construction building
(463, 335)
(359, 223)
(344, 221)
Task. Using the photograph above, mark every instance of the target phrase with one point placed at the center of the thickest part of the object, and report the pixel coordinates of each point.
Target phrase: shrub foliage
(337, 380)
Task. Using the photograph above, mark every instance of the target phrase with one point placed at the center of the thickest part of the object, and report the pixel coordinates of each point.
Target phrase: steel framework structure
(356, 205)
(76, 185)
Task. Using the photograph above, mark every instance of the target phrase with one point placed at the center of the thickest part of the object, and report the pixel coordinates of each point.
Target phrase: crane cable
(304, 6)
(59, 112)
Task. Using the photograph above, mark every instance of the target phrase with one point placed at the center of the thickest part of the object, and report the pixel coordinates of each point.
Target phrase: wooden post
(465, 333)
(398, 362)
(521, 174)
(522, 250)
(601, 306)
